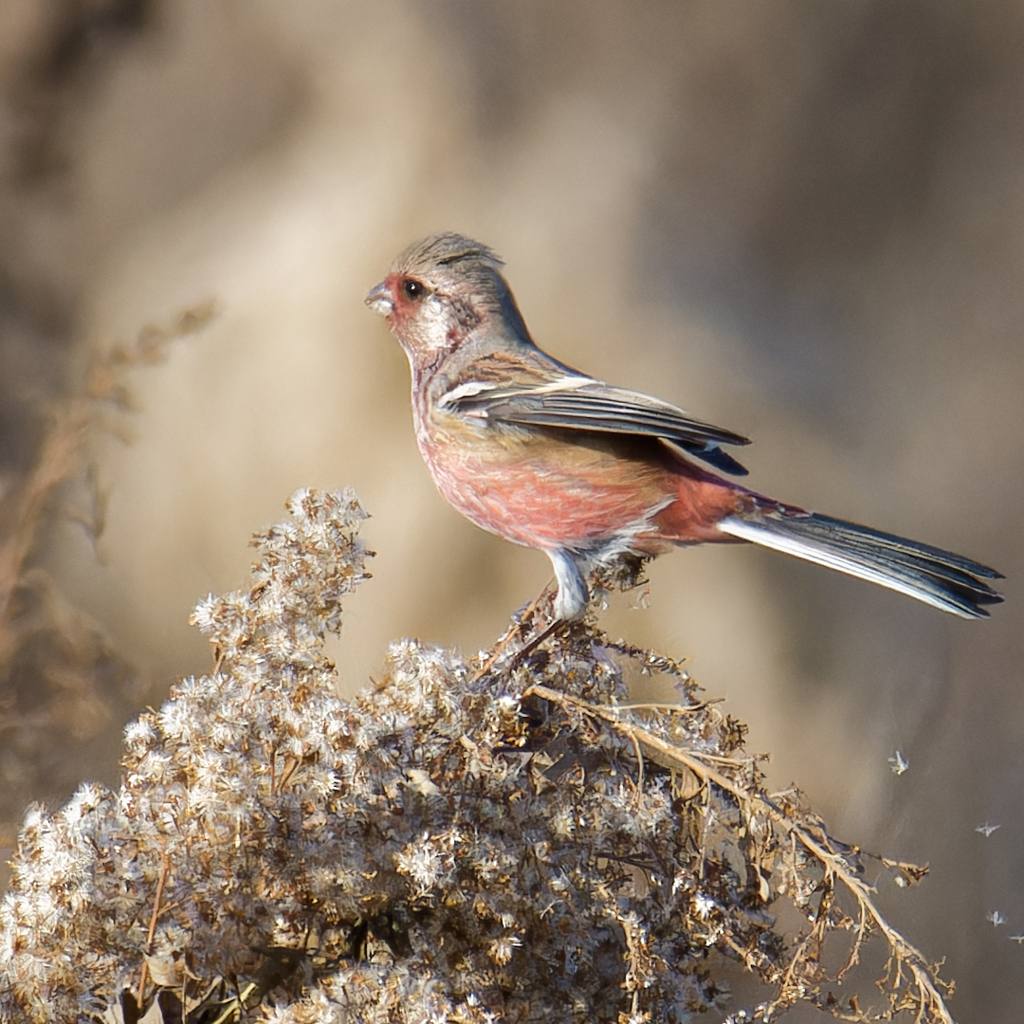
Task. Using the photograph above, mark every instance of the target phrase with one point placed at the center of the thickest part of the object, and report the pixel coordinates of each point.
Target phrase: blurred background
(803, 222)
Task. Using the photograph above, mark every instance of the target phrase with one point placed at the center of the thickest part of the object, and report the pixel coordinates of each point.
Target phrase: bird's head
(442, 291)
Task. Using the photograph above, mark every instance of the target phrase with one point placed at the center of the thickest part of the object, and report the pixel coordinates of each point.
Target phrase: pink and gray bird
(546, 456)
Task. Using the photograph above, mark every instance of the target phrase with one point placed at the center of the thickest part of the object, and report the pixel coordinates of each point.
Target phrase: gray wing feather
(597, 407)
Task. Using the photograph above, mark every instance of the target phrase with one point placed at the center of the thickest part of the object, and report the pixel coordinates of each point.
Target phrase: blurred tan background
(804, 222)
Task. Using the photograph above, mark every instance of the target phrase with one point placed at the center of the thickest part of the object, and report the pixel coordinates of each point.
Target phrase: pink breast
(543, 494)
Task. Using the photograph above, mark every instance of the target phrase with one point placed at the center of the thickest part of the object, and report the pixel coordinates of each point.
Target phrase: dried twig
(751, 800)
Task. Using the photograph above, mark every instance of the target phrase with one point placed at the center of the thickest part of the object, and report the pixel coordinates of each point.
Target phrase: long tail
(947, 581)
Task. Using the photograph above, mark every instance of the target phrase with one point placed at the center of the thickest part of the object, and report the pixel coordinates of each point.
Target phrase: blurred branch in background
(58, 671)
(505, 840)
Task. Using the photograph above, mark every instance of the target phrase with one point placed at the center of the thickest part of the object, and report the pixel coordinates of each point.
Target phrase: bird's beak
(380, 301)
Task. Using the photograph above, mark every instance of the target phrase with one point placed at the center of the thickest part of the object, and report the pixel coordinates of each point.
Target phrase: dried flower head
(506, 841)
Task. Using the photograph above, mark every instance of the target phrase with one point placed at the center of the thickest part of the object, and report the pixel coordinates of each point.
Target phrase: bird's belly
(544, 492)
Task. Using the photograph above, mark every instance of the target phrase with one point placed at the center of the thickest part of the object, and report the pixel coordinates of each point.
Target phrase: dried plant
(505, 839)
(58, 671)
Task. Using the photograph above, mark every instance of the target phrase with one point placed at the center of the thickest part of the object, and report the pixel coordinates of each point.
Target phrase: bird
(546, 456)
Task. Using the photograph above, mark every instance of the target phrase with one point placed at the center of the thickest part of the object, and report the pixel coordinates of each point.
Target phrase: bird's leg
(573, 596)
(570, 602)
(569, 605)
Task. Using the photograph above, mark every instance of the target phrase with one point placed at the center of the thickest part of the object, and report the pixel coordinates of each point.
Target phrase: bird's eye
(413, 289)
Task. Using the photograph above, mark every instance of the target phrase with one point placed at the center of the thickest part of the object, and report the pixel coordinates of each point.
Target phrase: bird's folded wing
(582, 403)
